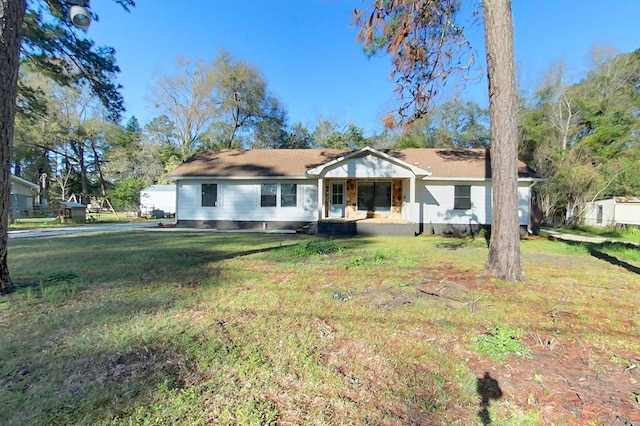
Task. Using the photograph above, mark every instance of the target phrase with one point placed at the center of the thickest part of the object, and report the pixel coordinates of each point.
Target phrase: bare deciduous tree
(221, 104)
(187, 100)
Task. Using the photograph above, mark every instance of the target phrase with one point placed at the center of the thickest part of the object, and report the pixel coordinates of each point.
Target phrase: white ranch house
(328, 191)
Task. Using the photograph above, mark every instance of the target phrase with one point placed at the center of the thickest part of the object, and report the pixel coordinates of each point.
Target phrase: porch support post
(320, 198)
(412, 199)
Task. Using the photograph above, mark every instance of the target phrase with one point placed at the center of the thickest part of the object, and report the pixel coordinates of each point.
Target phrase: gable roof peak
(316, 171)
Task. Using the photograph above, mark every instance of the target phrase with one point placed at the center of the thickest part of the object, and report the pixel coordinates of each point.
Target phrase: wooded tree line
(582, 137)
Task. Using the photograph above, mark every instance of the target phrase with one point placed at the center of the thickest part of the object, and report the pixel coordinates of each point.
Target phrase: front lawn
(152, 327)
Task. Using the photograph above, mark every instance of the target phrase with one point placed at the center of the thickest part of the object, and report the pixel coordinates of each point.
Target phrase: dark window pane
(382, 196)
(209, 194)
(268, 195)
(374, 196)
(365, 196)
(337, 194)
(462, 197)
(288, 195)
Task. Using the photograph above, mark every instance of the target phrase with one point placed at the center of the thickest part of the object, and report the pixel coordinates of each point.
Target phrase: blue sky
(306, 49)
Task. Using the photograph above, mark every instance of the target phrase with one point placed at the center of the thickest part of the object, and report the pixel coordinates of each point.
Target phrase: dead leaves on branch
(426, 45)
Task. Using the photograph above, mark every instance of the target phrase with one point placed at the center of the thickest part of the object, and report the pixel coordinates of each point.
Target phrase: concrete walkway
(583, 238)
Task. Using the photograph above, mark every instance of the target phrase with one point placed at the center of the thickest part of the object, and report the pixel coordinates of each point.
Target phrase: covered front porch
(368, 226)
(368, 192)
(369, 198)
(369, 206)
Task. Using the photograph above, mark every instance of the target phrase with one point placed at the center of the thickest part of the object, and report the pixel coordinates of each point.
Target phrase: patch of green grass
(609, 251)
(354, 262)
(59, 292)
(306, 249)
(381, 256)
(321, 247)
(53, 288)
(622, 251)
(375, 257)
(500, 341)
(35, 223)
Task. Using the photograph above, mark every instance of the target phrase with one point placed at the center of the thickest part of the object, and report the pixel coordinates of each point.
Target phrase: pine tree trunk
(11, 16)
(504, 247)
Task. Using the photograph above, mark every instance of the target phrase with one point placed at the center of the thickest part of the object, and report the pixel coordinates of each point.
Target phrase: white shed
(158, 197)
(615, 211)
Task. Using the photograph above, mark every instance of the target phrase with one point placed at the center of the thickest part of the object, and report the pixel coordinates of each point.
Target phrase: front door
(336, 204)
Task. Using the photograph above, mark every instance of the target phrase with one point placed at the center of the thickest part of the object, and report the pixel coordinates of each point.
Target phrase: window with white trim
(288, 195)
(278, 195)
(268, 194)
(462, 197)
(209, 192)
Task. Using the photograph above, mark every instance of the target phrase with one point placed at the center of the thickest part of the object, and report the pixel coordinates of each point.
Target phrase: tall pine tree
(41, 35)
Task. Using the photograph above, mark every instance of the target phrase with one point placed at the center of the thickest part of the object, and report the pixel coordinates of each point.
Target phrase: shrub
(307, 249)
(501, 340)
(379, 256)
(354, 262)
(321, 247)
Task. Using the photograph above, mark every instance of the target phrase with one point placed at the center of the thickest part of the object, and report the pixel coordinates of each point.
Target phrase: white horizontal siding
(240, 201)
(627, 213)
(369, 166)
(18, 188)
(524, 204)
(436, 201)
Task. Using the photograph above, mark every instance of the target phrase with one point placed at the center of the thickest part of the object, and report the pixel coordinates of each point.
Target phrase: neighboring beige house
(329, 191)
(21, 197)
(614, 211)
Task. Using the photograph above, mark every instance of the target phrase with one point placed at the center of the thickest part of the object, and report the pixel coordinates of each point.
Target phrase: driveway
(583, 238)
(50, 232)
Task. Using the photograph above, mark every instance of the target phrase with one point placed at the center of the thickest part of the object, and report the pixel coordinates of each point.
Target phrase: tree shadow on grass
(455, 243)
(488, 389)
(595, 250)
(614, 261)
